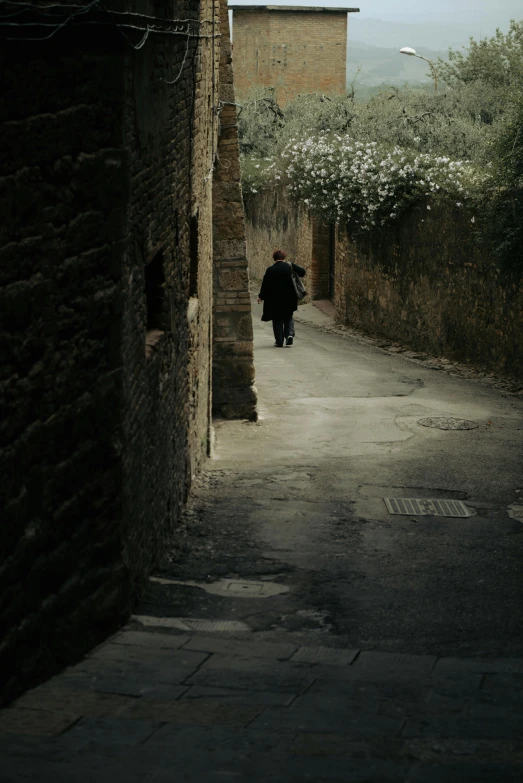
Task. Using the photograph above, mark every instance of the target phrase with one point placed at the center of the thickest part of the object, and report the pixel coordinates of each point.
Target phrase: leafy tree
(492, 70)
(502, 208)
(450, 122)
(496, 61)
(260, 121)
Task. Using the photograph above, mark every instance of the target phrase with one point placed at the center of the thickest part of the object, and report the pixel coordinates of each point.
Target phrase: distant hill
(386, 65)
(374, 45)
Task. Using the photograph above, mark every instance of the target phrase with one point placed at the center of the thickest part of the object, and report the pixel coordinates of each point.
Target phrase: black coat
(277, 291)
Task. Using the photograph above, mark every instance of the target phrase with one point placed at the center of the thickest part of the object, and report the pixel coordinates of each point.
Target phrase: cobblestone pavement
(156, 707)
(275, 640)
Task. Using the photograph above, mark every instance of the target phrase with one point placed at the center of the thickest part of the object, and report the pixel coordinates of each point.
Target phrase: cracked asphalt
(297, 498)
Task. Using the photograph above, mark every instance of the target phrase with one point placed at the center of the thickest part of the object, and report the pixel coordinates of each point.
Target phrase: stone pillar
(234, 396)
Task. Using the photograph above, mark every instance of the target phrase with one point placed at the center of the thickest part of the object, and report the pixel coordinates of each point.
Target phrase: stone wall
(425, 284)
(234, 395)
(105, 306)
(422, 282)
(274, 222)
(294, 50)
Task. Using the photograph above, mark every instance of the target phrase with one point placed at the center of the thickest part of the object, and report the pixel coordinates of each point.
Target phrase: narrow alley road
(304, 489)
(296, 630)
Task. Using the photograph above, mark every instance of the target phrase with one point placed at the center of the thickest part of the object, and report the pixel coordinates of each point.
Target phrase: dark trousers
(283, 328)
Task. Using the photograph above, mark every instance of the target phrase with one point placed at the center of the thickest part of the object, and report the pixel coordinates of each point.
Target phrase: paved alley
(296, 630)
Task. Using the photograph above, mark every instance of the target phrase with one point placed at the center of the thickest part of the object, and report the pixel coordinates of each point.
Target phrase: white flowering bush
(365, 184)
(365, 162)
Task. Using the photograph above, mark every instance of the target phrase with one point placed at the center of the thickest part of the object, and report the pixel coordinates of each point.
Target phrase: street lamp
(413, 53)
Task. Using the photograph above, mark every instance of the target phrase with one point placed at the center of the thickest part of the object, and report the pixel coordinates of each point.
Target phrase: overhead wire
(56, 27)
(186, 27)
(23, 6)
(47, 17)
(182, 66)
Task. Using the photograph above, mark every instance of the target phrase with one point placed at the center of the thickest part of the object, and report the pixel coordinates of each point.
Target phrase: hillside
(374, 44)
(386, 65)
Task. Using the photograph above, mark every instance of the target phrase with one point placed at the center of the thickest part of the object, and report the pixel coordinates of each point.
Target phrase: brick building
(295, 49)
(112, 232)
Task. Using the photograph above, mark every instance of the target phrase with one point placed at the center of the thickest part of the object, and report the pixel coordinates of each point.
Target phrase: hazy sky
(428, 8)
(419, 10)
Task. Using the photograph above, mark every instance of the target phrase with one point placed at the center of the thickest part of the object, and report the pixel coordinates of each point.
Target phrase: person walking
(279, 297)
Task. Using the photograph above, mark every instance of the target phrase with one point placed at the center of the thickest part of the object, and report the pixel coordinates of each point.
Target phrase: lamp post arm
(432, 68)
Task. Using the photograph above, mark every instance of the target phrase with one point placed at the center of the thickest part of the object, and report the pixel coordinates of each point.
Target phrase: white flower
(472, 219)
(428, 206)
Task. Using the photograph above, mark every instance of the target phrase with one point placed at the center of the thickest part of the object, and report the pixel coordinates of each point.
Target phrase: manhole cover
(244, 587)
(427, 508)
(447, 423)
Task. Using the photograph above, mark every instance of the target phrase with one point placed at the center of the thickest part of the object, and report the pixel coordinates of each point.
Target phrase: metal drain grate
(427, 508)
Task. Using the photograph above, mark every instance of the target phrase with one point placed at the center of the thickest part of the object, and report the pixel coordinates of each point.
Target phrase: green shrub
(364, 162)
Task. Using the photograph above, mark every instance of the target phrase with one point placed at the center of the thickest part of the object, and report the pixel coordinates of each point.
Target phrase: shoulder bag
(297, 283)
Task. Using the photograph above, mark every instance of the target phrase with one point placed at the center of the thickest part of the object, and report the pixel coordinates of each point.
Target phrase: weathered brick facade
(234, 395)
(107, 138)
(295, 49)
(170, 140)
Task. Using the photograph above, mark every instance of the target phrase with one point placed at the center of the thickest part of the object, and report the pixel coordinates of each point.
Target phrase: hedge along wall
(424, 282)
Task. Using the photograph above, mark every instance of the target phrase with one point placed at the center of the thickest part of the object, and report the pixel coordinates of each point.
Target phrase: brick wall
(275, 222)
(293, 51)
(234, 395)
(169, 138)
(424, 283)
(105, 302)
(64, 180)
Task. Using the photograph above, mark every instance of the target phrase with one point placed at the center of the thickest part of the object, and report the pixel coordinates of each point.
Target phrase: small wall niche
(155, 300)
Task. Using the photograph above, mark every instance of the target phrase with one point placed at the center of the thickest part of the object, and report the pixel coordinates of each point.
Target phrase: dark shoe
(278, 345)
(290, 340)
